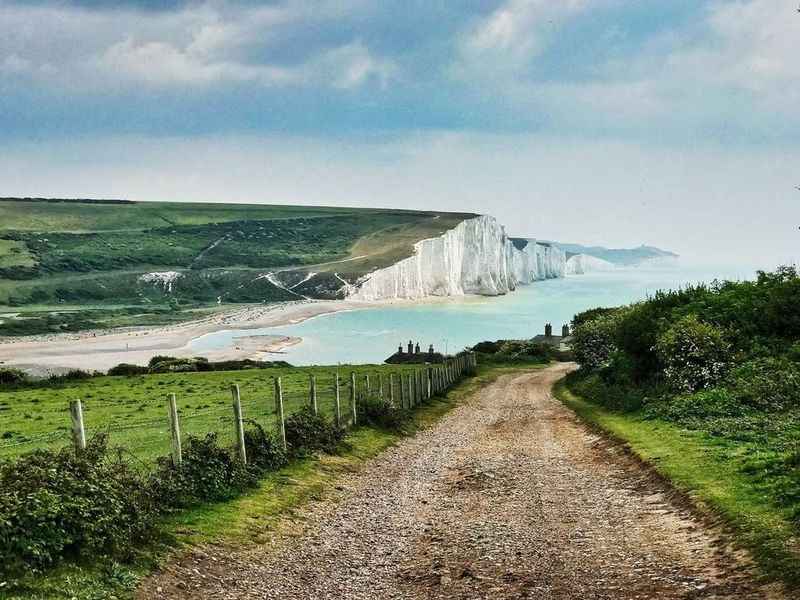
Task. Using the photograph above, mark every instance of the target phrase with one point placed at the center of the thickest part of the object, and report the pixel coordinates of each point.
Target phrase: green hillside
(104, 258)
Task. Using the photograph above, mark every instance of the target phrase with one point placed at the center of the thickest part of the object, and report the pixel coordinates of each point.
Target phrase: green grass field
(62, 255)
(133, 410)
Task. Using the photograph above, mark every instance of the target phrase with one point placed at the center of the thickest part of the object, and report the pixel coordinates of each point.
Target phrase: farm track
(508, 496)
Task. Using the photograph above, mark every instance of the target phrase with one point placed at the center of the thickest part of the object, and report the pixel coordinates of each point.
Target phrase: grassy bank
(710, 469)
(249, 519)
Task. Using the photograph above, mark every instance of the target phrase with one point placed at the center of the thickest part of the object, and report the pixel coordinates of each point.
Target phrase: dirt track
(509, 496)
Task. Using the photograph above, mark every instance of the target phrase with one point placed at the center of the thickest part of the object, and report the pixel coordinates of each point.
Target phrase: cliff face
(584, 263)
(475, 257)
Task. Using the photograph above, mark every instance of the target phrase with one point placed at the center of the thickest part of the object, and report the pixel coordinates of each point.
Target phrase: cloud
(507, 39)
(194, 45)
(751, 46)
(580, 67)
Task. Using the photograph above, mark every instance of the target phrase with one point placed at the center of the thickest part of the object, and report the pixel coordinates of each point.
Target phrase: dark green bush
(687, 408)
(307, 432)
(208, 473)
(264, 451)
(380, 412)
(127, 370)
(594, 341)
(591, 315)
(613, 396)
(487, 347)
(767, 384)
(12, 377)
(516, 350)
(695, 355)
(73, 375)
(57, 504)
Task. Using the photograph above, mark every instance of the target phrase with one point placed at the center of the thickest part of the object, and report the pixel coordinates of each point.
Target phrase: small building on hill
(414, 356)
(562, 342)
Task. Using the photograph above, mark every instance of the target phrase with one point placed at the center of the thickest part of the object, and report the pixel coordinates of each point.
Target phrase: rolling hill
(120, 257)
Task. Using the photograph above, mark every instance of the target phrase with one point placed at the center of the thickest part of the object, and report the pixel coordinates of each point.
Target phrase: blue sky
(589, 119)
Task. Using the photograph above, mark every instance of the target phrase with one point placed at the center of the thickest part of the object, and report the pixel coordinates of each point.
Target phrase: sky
(613, 122)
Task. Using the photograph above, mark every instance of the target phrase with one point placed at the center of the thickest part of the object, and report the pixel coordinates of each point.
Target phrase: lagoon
(370, 335)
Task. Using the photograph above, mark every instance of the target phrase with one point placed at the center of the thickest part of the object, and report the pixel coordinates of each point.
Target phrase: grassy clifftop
(62, 253)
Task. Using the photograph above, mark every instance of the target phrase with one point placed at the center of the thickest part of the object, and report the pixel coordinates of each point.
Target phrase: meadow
(133, 410)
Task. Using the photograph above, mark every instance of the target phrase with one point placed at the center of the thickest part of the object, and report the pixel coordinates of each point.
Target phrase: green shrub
(591, 315)
(208, 473)
(380, 412)
(695, 354)
(768, 384)
(637, 333)
(516, 350)
(690, 408)
(127, 370)
(614, 396)
(57, 504)
(487, 347)
(308, 432)
(594, 341)
(12, 377)
(264, 451)
(73, 375)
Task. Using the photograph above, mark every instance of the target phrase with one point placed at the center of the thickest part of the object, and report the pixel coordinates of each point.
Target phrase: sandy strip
(101, 350)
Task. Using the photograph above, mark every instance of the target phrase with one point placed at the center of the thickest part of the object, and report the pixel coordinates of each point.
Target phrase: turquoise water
(370, 335)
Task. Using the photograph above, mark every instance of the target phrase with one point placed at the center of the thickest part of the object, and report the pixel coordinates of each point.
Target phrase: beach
(101, 350)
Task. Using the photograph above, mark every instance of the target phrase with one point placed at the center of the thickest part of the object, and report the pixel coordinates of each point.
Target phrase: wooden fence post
(391, 388)
(429, 383)
(338, 406)
(353, 396)
(237, 416)
(279, 410)
(402, 392)
(78, 431)
(313, 392)
(411, 390)
(175, 430)
(366, 385)
(380, 385)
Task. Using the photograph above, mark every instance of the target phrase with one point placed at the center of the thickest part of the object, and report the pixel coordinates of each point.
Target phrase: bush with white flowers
(695, 355)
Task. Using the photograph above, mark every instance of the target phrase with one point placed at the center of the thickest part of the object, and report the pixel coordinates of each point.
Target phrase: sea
(370, 335)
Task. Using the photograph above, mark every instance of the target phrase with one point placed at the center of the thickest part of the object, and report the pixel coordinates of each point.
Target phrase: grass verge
(699, 465)
(249, 519)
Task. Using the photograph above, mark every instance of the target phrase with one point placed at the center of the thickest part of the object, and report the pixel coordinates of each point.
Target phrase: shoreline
(43, 355)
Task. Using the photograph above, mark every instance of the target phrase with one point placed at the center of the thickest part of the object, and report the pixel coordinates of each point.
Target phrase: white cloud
(514, 34)
(751, 46)
(160, 63)
(200, 45)
(14, 64)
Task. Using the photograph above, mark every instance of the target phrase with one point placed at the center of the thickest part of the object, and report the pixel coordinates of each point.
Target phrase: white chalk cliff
(475, 257)
(580, 264)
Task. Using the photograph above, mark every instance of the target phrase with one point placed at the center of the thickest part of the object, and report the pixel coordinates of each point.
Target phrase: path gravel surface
(508, 496)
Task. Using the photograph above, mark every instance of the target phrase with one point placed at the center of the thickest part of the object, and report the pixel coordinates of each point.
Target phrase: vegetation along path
(508, 496)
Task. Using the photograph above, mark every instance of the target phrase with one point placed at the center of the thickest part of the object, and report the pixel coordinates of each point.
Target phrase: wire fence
(142, 421)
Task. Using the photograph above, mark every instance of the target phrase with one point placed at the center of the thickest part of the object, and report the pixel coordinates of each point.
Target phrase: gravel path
(508, 496)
